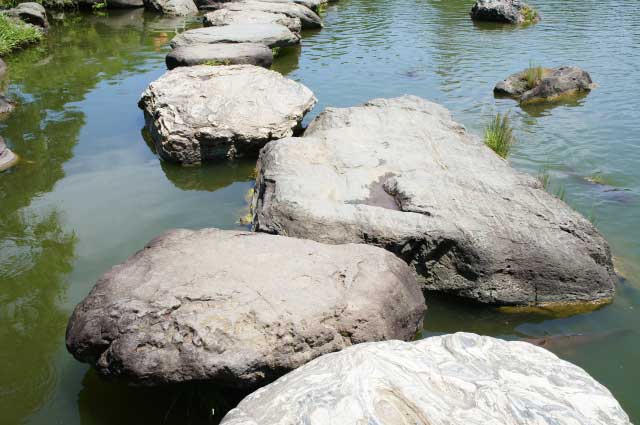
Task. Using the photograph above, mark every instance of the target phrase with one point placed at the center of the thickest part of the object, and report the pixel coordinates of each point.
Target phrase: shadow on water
(209, 177)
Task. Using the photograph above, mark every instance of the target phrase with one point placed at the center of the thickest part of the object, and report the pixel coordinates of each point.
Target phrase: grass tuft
(16, 34)
(499, 135)
(529, 14)
(276, 52)
(533, 75)
(217, 63)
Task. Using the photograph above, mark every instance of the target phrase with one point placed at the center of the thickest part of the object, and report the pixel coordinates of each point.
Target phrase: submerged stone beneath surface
(307, 16)
(172, 7)
(204, 112)
(229, 17)
(272, 35)
(239, 309)
(505, 11)
(457, 379)
(7, 158)
(220, 54)
(555, 82)
(401, 174)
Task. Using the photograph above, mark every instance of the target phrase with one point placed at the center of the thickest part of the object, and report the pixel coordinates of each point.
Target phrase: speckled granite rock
(202, 113)
(272, 35)
(308, 17)
(457, 379)
(228, 17)
(401, 174)
(555, 82)
(239, 309)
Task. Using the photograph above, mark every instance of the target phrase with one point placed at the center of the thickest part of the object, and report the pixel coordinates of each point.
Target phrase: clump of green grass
(217, 63)
(529, 14)
(545, 179)
(499, 135)
(99, 5)
(15, 34)
(533, 75)
(276, 52)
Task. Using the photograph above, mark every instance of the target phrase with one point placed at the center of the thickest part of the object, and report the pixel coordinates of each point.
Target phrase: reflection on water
(90, 191)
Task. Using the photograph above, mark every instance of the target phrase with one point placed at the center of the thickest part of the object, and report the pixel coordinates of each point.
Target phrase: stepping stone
(504, 11)
(272, 35)
(228, 17)
(173, 7)
(220, 54)
(307, 16)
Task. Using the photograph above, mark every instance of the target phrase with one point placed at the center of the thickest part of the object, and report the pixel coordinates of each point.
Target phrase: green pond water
(90, 191)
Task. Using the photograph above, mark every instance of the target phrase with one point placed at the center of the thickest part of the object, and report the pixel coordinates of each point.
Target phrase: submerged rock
(554, 83)
(172, 7)
(30, 13)
(7, 158)
(272, 35)
(239, 309)
(401, 174)
(506, 11)
(308, 17)
(457, 379)
(220, 54)
(228, 17)
(202, 112)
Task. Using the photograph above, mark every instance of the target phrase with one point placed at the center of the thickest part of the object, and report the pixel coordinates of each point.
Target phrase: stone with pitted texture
(172, 7)
(401, 174)
(228, 17)
(272, 35)
(204, 112)
(220, 54)
(239, 309)
(506, 11)
(457, 379)
(307, 16)
(555, 83)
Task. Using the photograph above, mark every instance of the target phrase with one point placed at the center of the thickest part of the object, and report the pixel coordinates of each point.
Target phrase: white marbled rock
(457, 379)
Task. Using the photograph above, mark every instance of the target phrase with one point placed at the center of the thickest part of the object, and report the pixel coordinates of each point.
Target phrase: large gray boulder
(30, 13)
(239, 309)
(308, 17)
(555, 83)
(228, 17)
(458, 379)
(220, 54)
(204, 112)
(172, 7)
(314, 5)
(272, 35)
(505, 11)
(401, 174)
(7, 158)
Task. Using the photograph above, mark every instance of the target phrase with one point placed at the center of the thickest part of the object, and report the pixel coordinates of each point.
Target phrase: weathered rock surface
(3, 69)
(401, 174)
(7, 158)
(212, 112)
(506, 11)
(311, 4)
(239, 308)
(172, 7)
(555, 82)
(272, 35)
(31, 13)
(457, 379)
(220, 54)
(127, 4)
(6, 106)
(307, 16)
(228, 17)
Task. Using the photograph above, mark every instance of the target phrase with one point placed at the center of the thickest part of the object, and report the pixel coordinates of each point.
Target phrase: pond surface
(90, 191)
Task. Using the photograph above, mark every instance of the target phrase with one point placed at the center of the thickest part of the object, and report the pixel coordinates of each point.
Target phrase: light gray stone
(7, 158)
(220, 54)
(239, 309)
(555, 82)
(6, 106)
(505, 11)
(272, 35)
(401, 174)
(311, 4)
(457, 379)
(228, 17)
(31, 13)
(307, 16)
(172, 7)
(204, 112)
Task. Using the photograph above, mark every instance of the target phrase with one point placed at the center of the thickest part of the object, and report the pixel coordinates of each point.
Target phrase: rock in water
(6, 106)
(239, 309)
(31, 13)
(458, 379)
(228, 17)
(506, 11)
(314, 5)
(555, 82)
(3, 69)
(271, 35)
(401, 174)
(220, 54)
(7, 158)
(204, 112)
(125, 4)
(308, 17)
(172, 7)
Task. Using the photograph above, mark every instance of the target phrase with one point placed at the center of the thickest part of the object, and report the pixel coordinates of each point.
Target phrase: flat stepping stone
(308, 17)
(555, 83)
(202, 113)
(173, 7)
(401, 174)
(504, 11)
(272, 35)
(229, 17)
(314, 5)
(239, 309)
(457, 379)
(220, 54)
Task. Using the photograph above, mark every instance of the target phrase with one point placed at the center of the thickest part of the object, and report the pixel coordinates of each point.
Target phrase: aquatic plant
(533, 75)
(99, 5)
(16, 34)
(275, 51)
(217, 63)
(499, 135)
(529, 14)
(545, 179)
